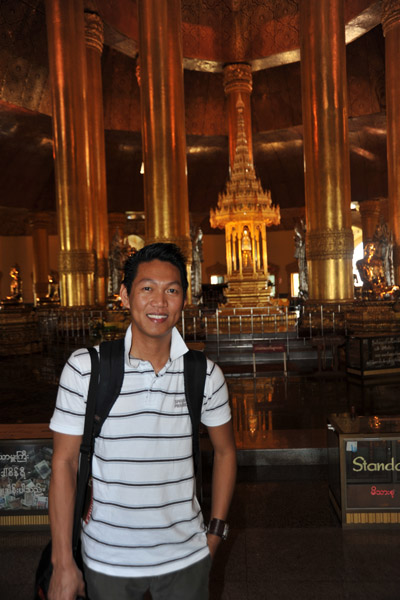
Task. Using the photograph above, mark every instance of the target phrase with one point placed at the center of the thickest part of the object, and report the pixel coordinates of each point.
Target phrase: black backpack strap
(86, 450)
(112, 364)
(195, 370)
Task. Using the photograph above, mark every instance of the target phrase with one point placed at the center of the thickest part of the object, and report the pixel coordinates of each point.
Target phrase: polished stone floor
(286, 541)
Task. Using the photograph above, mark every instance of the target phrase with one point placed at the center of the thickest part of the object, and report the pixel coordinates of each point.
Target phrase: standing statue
(246, 248)
(53, 293)
(383, 237)
(16, 285)
(197, 259)
(300, 253)
(119, 252)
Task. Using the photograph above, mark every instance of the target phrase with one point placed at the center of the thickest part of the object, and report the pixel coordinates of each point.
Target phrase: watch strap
(218, 527)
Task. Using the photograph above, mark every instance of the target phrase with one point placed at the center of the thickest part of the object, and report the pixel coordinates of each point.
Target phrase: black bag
(45, 568)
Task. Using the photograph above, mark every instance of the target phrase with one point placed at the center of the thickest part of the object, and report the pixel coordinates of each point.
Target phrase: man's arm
(67, 580)
(224, 476)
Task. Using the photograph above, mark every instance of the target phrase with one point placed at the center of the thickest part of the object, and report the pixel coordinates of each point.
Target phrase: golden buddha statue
(372, 273)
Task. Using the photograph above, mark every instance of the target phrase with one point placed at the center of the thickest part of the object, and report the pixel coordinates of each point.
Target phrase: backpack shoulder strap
(86, 449)
(195, 370)
(112, 362)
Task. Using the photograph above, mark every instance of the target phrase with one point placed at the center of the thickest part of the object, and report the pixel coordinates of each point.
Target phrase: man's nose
(159, 298)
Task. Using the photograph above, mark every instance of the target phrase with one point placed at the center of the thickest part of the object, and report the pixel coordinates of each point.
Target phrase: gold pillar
(238, 83)
(94, 38)
(329, 239)
(67, 61)
(40, 237)
(370, 211)
(391, 30)
(163, 124)
(264, 249)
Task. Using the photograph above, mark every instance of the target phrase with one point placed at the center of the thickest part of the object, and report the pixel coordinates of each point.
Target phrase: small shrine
(245, 211)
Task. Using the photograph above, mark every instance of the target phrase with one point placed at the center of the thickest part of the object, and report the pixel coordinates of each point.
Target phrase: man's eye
(147, 288)
(172, 291)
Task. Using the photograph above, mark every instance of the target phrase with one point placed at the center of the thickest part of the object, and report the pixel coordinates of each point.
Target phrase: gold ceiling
(214, 32)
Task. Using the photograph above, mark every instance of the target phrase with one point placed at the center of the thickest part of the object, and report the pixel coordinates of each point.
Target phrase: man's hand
(66, 583)
(213, 542)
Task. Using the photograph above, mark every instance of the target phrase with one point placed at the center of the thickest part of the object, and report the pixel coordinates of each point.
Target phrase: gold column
(370, 211)
(253, 248)
(240, 253)
(238, 83)
(40, 236)
(234, 252)
(228, 244)
(265, 249)
(391, 30)
(329, 239)
(94, 38)
(67, 61)
(163, 124)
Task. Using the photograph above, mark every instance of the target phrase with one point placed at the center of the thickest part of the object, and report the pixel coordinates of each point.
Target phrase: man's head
(159, 251)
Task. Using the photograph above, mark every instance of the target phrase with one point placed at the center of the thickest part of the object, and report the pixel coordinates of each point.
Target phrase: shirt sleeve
(69, 413)
(216, 409)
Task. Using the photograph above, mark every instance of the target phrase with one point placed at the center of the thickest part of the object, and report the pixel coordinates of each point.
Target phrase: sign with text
(373, 496)
(25, 468)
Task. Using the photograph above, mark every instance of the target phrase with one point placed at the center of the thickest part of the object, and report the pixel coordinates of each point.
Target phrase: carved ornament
(76, 261)
(238, 78)
(41, 220)
(390, 15)
(370, 208)
(329, 244)
(94, 31)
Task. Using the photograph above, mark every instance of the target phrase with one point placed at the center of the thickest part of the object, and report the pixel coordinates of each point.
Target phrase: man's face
(155, 300)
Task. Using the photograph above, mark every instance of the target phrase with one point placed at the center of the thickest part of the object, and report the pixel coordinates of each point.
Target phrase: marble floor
(285, 543)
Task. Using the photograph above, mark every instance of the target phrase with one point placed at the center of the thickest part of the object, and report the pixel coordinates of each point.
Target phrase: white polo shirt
(146, 519)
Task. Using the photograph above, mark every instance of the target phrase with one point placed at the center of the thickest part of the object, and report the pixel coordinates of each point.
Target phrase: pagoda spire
(245, 210)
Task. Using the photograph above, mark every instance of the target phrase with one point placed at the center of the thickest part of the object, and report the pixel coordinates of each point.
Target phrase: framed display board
(25, 469)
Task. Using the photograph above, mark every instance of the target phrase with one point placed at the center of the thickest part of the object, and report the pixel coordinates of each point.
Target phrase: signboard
(374, 496)
(25, 468)
(372, 474)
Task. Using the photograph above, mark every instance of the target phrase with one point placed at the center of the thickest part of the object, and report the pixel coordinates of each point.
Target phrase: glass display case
(371, 356)
(364, 469)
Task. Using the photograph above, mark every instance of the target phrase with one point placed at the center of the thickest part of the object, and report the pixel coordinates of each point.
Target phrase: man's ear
(123, 292)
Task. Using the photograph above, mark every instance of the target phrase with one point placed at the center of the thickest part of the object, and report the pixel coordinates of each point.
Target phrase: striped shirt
(146, 519)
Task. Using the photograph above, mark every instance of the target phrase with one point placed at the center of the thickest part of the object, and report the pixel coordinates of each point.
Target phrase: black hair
(159, 251)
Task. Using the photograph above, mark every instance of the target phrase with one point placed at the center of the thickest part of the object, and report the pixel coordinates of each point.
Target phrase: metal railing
(85, 326)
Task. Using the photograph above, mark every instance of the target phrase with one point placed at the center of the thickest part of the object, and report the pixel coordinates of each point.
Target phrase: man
(146, 530)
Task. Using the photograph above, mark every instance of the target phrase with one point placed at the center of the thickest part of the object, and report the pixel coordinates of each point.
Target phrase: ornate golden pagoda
(245, 211)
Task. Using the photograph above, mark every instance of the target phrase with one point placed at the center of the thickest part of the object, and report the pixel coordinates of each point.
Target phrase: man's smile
(156, 317)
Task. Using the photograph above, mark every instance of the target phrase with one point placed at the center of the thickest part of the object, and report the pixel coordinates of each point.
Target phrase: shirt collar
(178, 347)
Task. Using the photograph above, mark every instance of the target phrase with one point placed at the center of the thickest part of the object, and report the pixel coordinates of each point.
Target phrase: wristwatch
(218, 527)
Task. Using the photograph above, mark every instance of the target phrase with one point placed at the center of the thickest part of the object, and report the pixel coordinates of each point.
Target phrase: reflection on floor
(284, 412)
(268, 411)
